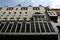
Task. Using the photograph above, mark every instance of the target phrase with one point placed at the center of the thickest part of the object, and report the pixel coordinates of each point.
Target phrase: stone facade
(20, 12)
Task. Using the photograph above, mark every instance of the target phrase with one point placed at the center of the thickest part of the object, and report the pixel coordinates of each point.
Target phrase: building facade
(28, 22)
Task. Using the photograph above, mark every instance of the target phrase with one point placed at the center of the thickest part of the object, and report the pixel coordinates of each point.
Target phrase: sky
(51, 3)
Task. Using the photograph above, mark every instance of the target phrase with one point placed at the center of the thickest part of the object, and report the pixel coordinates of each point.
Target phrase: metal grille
(26, 27)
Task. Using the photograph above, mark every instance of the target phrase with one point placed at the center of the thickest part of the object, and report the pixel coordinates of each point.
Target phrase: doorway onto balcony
(58, 28)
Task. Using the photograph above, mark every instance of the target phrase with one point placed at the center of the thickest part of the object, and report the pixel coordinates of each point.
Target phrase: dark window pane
(51, 27)
(9, 12)
(24, 8)
(4, 12)
(14, 12)
(32, 27)
(9, 8)
(1, 26)
(42, 27)
(36, 19)
(9, 27)
(27, 27)
(18, 27)
(6, 25)
(20, 12)
(0, 8)
(46, 27)
(14, 26)
(23, 27)
(37, 27)
(39, 18)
